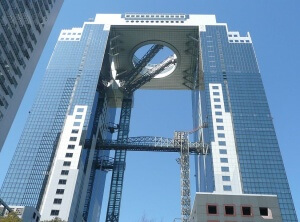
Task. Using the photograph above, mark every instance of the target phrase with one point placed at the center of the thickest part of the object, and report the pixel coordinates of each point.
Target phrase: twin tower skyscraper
(86, 81)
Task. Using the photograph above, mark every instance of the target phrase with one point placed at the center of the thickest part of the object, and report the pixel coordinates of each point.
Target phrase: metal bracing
(116, 186)
(182, 138)
(104, 163)
(131, 75)
(5, 207)
(135, 84)
(151, 143)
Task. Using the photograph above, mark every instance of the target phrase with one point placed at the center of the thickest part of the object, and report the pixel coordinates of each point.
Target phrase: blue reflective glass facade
(233, 65)
(71, 79)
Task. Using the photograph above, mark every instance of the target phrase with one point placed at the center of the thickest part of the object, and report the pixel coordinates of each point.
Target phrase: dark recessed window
(64, 172)
(263, 211)
(217, 100)
(221, 135)
(220, 127)
(75, 131)
(215, 87)
(34, 215)
(67, 163)
(227, 188)
(224, 160)
(216, 93)
(218, 120)
(57, 201)
(71, 146)
(223, 151)
(246, 211)
(222, 143)
(73, 138)
(76, 124)
(80, 110)
(226, 178)
(78, 117)
(212, 209)
(217, 106)
(54, 212)
(218, 113)
(62, 182)
(229, 210)
(69, 154)
(60, 191)
(225, 169)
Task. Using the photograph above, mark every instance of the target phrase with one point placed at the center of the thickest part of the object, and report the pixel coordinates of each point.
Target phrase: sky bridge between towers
(130, 64)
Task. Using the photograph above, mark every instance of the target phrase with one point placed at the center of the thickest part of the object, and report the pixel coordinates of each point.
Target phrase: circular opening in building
(161, 60)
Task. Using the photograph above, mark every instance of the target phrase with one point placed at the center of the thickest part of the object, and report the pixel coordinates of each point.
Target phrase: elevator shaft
(116, 186)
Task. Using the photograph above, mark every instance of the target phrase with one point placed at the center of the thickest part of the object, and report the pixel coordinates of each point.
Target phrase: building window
(229, 210)
(71, 146)
(62, 182)
(220, 127)
(75, 131)
(64, 172)
(212, 209)
(78, 117)
(222, 143)
(247, 211)
(76, 124)
(222, 151)
(69, 154)
(57, 201)
(226, 178)
(67, 163)
(227, 188)
(225, 169)
(215, 87)
(54, 212)
(224, 160)
(219, 120)
(217, 106)
(73, 138)
(60, 191)
(216, 93)
(265, 212)
(217, 100)
(221, 135)
(218, 113)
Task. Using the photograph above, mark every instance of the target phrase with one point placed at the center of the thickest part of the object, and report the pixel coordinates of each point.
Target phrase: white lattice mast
(182, 139)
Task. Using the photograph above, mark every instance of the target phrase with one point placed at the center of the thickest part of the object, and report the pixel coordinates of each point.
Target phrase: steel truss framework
(129, 83)
(5, 208)
(180, 144)
(116, 186)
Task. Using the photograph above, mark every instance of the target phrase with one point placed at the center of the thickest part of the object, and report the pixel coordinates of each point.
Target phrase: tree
(11, 217)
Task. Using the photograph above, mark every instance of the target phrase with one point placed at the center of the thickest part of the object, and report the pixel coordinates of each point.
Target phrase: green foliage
(56, 219)
(11, 217)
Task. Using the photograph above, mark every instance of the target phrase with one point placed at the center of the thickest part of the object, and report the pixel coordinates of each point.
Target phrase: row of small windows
(230, 210)
(223, 160)
(147, 21)
(154, 16)
(232, 35)
(243, 41)
(70, 39)
(69, 33)
(61, 182)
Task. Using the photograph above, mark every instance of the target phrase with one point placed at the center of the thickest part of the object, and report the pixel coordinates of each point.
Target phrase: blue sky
(152, 179)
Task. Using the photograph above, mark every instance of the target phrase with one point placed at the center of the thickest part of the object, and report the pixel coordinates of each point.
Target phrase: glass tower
(24, 30)
(233, 86)
(53, 168)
